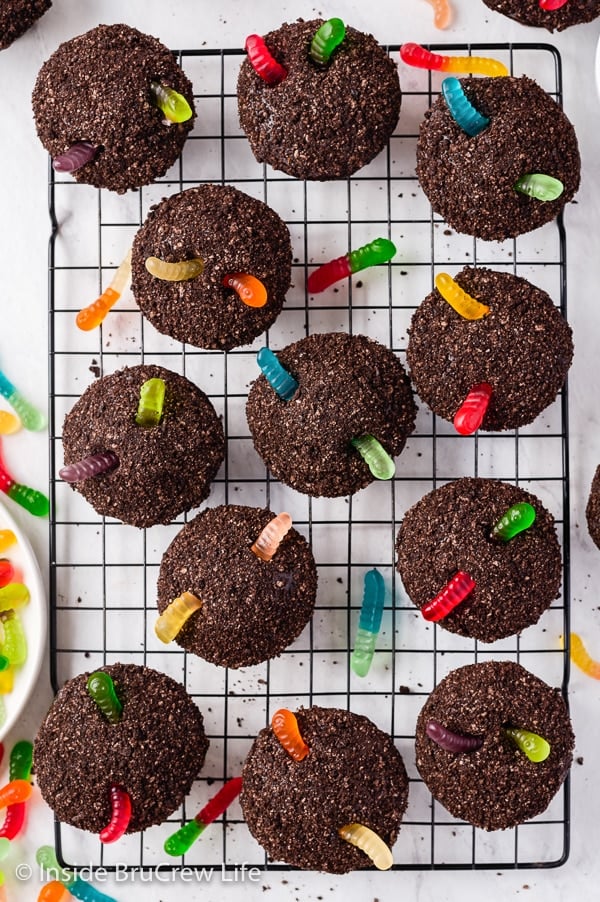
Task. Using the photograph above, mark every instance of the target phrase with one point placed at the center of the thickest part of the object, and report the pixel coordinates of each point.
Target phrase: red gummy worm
(222, 800)
(551, 5)
(326, 275)
(415, 55)
(120, 817)
(451, 595)
(261, 60)
(469, 416)
(14, 820)
(7, 571)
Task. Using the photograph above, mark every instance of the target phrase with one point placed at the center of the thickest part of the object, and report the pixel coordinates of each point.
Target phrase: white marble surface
(24, 231)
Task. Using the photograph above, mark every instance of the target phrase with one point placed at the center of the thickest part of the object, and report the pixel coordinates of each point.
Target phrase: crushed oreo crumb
(320, 122)
(17, 16)
(163, 470)
(529, 12)
(449, 530)
(496, 786)
(155, 751)
(470, 180)
(231, 233)
(523, 348)
(349, 386)
(353, 773)
(251, 609)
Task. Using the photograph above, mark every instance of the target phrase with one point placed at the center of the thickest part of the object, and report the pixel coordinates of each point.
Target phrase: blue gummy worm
(6, 387)
(85, 892)
(278, 378)
(371, 611)
(461, 109)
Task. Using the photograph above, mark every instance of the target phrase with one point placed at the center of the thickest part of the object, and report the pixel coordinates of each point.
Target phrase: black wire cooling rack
(103, 573)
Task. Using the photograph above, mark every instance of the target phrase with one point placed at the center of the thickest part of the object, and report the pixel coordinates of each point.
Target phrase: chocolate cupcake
(232, 234)
(154, 752)
(592, 511)
(251, 608)
(161, 470)
(530, 12)
(96, 88)
(449, 531)
(321, 121)
(349, 386)
(17, 17)
(496, 785)
(522, 348)
(470, 181)
(353, 773)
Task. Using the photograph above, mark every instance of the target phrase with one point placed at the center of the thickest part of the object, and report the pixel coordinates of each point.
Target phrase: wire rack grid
(103, 573)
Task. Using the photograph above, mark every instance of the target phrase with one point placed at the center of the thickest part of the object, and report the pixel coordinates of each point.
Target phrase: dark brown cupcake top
(470, 180)
(96, 87)
(448, 531)
(523, 348)
(231, 233)
(163, 470)
(154, 752)
(496, 786)
(352, 774)
(251, 609)
(320, 122)
(17, 16)
(349, 386)
(529, 12)
(592, 511)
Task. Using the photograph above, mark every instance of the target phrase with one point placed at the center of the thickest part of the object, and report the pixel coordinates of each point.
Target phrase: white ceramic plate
(33, 617)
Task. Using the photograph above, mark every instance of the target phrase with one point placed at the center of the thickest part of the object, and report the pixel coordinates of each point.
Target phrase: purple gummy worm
(89, 466)
(451, 742)
(75, 157)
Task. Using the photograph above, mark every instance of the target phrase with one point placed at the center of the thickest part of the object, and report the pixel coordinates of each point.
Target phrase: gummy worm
(460, 586)
(7, 538)
(469, 416)
(248, 288)
(465, 305)
(13, 596)
(285, 727)
(262, 61)
(174, 272)
(380, 250)
(90, 466)
(54, 892)
(535, 747)
(450, 741)
(120, 817)
(375, 456)
(276, 375)
(46, 858)
(442, 13)
(517, 518)
(542, 187)
(415, 55)
(171, 103)
(14, 645)
(30, 417)
(329, 36)
(552, 5)
(9, 423)
(75, 157)
(14, 820)
(175, 615)
(179, 843)
(92, 315)
(150, 407)
(368, 842)
(85, 892)
(461, 109)
(582, 659)
(14, 792)
(271, 537)
(101, 689)
(369, 622)
(7, 572)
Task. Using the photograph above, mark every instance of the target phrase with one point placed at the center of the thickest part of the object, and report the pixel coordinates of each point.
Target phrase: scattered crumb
(579, 760)
(404, 690)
